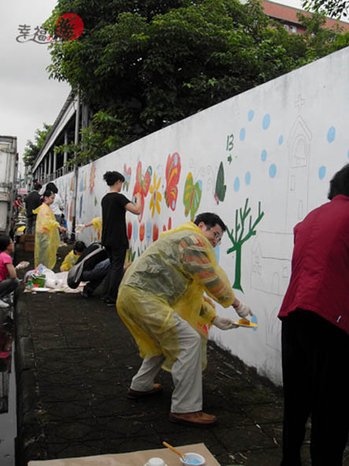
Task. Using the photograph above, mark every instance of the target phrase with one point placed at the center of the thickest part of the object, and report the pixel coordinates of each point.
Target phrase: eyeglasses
(216, 234)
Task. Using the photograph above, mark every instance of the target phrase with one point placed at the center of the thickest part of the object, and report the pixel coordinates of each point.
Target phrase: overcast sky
(28, 98)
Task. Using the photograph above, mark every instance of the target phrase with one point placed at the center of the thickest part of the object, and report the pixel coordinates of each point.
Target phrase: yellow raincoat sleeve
(199, 261)
(69, 261)
(46, 237)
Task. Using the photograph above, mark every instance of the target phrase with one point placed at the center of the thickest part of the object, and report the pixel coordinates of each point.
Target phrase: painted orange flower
(156, 196)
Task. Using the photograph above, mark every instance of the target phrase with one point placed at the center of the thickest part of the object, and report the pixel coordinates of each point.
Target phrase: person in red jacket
(315, 332)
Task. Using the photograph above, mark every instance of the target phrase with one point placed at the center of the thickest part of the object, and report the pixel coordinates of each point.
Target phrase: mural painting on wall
(156, 196)
(127, 172)
(92, 178)
(221, 188)
(173, 173)
(192, 196)
(229, 147)
(239, 235)
(142, 185)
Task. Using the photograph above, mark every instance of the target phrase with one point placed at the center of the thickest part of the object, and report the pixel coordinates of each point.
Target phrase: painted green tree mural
(244, 228)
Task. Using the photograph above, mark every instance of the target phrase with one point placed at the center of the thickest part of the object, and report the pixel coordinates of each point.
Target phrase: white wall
(279, 145)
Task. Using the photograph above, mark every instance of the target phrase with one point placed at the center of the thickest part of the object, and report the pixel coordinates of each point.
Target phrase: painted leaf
(191, 196)
(221, 188)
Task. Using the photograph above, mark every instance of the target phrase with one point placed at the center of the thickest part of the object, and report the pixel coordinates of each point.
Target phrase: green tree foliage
(146, 64)
(332, 8)
(32, 149)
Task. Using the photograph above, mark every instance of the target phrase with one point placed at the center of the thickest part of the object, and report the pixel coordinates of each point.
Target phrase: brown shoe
(135, 394)
(198, 418)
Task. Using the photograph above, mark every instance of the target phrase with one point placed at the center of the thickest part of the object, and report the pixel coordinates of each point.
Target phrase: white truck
(8, 174)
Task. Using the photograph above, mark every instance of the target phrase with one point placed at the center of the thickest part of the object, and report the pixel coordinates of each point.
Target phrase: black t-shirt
(114, 233)
(32, 201)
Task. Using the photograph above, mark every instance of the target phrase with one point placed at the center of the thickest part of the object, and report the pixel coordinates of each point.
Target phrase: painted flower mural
(156, 196)
(142, 185)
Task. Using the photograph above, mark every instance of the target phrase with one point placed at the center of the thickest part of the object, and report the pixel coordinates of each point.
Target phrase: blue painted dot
(266, 121)
(248, 178)
(135, 230)
(281, 140)
(148, 230)
(236, 184)
(331, 134)
(242, 134)
(264, 155)
(272, 170)
(250, 115)
(322, 172)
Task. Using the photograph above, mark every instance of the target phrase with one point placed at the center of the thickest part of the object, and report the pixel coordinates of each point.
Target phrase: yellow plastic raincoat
(69, 261)
(171, 276)
(46, 237)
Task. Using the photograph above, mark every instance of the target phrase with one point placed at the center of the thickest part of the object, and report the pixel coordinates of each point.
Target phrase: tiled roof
(288, 14)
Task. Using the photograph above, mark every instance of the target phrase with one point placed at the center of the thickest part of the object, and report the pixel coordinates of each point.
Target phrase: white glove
(243, 310)
(22, 265)
(223, 323)
(79, 228)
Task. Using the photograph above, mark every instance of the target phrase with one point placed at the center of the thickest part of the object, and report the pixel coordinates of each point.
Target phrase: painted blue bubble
(264, 155)
(250, 115)
(331, 134)
(135, 230)
(148, 230)
(272, 170)
(281, 139)
(322, 172)
(236, 184)
(242, 134)
(247, 178)
(266, 121)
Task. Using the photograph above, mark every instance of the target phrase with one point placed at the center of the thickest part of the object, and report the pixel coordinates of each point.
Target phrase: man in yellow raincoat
(46, 233)
(161, 301)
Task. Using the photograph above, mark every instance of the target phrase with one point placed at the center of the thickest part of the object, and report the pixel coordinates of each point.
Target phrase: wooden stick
(167, 445)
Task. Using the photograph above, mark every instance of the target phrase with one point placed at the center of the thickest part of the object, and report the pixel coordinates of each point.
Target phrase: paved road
(74, 363)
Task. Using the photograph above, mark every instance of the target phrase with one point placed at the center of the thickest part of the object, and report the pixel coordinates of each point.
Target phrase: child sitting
(71, 258)
(8, 274)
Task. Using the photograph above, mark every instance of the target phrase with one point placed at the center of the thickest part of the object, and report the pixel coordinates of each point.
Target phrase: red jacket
(320, 264)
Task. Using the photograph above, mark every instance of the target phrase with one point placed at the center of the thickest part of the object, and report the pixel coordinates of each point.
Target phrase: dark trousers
(31, 221)
(7, 286)
(315, 357)
(116, 272)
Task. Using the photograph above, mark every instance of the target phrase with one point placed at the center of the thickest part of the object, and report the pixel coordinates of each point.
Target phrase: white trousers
(186, 371)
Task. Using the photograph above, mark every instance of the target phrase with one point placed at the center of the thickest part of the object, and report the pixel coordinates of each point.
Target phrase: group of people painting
(166, 300)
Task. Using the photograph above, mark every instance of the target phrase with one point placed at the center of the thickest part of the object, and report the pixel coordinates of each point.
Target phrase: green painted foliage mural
(191, 196)
(243, 230)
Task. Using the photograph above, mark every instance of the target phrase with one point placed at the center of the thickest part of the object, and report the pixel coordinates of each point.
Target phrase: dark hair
(52, 187)
(79, 246)
(112, 177)
(47, 193)
(210, 219)
(339, 183)
(37, 186)
(4, 242)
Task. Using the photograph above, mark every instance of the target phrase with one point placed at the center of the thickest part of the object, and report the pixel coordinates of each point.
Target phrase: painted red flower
(129, 230)
(141, 231)
(155, 232)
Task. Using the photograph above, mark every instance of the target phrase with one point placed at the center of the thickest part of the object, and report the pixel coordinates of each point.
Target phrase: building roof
(289, 14)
